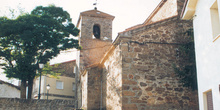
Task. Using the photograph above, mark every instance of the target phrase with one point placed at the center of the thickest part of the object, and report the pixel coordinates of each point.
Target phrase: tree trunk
(23, 89)
(30, 87)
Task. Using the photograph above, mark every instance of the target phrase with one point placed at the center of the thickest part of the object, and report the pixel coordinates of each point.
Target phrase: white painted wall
(207, 53)
(7, 91)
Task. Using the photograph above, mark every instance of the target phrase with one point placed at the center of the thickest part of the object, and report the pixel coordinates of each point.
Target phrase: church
(133, 72)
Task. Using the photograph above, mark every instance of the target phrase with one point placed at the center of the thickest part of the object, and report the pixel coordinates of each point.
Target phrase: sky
(127, 13)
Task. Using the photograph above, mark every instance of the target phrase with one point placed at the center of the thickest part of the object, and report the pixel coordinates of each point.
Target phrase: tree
(54, 71)
(34, 38)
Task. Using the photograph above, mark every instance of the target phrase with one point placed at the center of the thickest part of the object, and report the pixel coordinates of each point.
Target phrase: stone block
(185, 97)
(127, 60)
(160, 98)
(168, 99)
(136, 88)
(137, 49)
(124, 47)
(137, 77)
(142, 84)
(136, 100)
(152, 78)
(125, 87)
(151, 101)
(124, 100)
(128, 93)
(178, 89)
(159, 90)
(131, 76)
(129, 107)
(126, 65)
(129, 82)
(143, 56)
(149, 89)
(124, 76)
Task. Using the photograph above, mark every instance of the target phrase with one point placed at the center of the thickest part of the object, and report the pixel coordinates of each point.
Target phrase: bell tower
(95, 36)
(95, 24)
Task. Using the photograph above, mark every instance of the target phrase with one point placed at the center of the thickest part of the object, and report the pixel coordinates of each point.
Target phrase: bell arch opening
(96, 31)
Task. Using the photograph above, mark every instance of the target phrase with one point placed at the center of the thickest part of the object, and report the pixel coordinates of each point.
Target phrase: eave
(189, 9)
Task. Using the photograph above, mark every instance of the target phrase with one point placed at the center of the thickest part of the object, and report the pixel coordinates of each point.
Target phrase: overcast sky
(127, 12)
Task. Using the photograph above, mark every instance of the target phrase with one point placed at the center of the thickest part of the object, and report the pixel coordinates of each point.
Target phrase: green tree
(54, 71)
(34, 38)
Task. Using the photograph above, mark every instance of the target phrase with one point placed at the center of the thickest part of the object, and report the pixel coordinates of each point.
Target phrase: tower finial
(95, 4)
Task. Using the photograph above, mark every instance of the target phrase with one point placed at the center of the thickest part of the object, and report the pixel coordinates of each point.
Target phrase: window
(96, 31)
(59, 85)
(74, 86)
(208, 101)
(215, 20)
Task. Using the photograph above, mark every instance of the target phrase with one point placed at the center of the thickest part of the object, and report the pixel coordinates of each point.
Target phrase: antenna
(95, 4)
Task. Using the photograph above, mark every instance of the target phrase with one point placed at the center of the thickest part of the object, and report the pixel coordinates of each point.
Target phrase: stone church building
(134, 72)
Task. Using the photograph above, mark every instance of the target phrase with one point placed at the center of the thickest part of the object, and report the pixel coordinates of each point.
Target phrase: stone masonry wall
(94, 88)
(112, 83)
(148, 78)
(23, 104)
(93, 50)
(84, 92)
(89, 22)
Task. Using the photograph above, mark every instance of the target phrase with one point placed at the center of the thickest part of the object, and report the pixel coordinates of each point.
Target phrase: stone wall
(91, 88)
(112, 83)
(94, 88)
(92, 51)
(148, 78)
(23, 104)
(89, 22)
(84, 91)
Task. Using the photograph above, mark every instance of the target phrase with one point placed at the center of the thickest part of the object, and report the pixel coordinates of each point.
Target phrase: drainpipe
(101, 95)
(76, 80)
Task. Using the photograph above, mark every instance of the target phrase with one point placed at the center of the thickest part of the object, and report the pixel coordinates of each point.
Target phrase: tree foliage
(187, 73)
(34, 38)
(50, 70)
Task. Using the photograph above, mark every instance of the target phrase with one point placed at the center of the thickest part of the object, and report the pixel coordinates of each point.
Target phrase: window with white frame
(215, 20)
(208, 101)
(59, 84)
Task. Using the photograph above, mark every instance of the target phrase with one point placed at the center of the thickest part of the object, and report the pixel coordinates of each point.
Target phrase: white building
(8, 90)
(205, 16)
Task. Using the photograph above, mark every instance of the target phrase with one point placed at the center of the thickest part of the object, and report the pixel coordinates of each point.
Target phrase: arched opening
(96, 31)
